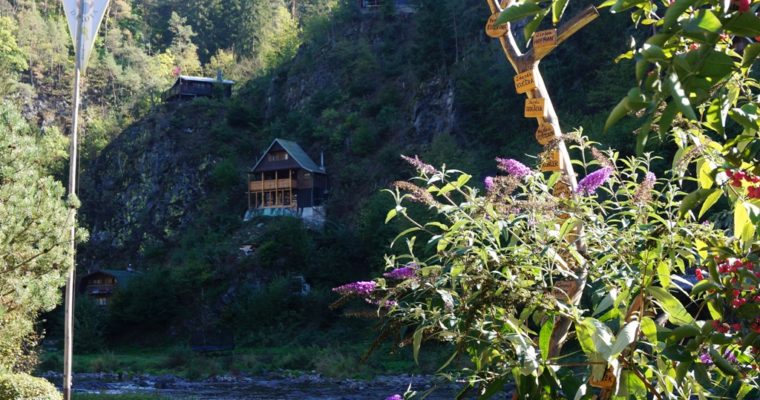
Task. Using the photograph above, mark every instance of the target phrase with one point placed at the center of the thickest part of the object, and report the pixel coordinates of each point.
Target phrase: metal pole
(68, 345)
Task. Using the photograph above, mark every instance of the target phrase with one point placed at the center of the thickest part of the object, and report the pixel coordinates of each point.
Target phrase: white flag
(94, 10)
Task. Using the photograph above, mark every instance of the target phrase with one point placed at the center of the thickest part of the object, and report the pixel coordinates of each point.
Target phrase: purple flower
(362, 288)
(705, 359)
(592, 181)
(394, 397)
(650, 178)
(728, 355)
(489, 183)
(513, 167)
(405, 272)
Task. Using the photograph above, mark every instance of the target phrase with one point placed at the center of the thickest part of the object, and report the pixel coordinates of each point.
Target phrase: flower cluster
(592, 181)
(405, 272)
(394, 397)
(420, 165)
(513, 167)
(488, 182)
(361, 288)
(733, 266)
(738, 178)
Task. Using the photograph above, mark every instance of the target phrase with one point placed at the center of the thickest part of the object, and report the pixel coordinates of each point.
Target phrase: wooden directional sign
(535, 108)
(544, 40)
(494, 30)
(524, 82)
(561, 189)
(552, 161)
(607, 381)
(545, 134)
(564, 290)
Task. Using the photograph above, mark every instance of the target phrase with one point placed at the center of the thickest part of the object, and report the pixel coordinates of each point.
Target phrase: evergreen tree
(183, 49)
(33, 236)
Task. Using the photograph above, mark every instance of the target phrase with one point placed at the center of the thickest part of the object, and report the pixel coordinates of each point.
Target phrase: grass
(341, 361)
(82, 396)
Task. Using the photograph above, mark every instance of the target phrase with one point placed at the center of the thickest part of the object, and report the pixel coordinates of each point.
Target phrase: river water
(267, 387)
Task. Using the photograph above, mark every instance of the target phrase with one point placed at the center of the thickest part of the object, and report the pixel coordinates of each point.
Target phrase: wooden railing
(272, 184)
(92, 289)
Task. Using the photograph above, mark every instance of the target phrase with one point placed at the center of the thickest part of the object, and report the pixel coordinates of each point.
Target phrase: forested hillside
(163, 185)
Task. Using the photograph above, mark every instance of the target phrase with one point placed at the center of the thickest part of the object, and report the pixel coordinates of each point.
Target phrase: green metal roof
(122, 276)
(296, 152)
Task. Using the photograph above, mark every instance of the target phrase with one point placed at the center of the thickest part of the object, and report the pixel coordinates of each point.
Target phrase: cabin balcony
(272, 184)
(99, 289)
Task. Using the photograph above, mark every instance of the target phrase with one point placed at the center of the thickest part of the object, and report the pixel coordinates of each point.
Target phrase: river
(265, 387)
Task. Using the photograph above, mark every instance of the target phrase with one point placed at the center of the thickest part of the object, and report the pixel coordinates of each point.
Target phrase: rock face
(144, 187)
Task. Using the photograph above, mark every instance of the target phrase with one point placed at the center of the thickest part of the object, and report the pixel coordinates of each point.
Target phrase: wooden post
(248, 183)
(529, 61)
(276, 189)
(290, 185)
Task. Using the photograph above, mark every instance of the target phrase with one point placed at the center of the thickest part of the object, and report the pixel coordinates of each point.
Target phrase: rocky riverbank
(273, 386)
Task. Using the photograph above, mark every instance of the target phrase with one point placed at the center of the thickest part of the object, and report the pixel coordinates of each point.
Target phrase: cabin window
(371, 3)
(101, 301)
(277, 156)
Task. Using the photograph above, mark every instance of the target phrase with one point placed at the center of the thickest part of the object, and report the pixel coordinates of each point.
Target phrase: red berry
(743, 6)
(698, 274)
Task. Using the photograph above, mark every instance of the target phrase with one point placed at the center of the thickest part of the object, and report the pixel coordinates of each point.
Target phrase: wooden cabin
(402, 6)
(101, 284)
(190, 87)
(286, 178)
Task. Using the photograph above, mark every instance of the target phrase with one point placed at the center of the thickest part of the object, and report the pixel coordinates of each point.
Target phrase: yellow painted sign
(561, 189)
(544, 40)
(545, 134)
(534, 108)
(564, 289)
(494, 30)
(524, 82)
(607, 381)
(551, 161)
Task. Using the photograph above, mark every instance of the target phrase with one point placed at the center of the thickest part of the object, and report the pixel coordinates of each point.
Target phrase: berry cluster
(738, 178)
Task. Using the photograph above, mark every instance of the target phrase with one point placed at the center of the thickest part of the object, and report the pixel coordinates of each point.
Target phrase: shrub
(26, 387)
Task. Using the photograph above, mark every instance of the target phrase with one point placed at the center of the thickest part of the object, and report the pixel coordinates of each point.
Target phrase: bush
(26, 387)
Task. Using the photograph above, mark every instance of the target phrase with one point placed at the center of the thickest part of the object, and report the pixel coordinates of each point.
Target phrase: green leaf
(391, 214)
(416, 342)
(558, 8)
(463, 179)
(716, 65)
(744, 229)
(663, 273)
(649, 329)
(544, 338)
(675, 11)
(622, 5)
(691, 200)
(680, 98)
(652, 53)
(620, 111)
(715, 117)
(531, 26)
(703, 20)
(666, 118)
(722, 363)
(750, 54)
(625, 337)
(705, 172)
(710, 201)
(702, 286)
(744, 24)
(513, 13)
(677, 314)
(715, 311)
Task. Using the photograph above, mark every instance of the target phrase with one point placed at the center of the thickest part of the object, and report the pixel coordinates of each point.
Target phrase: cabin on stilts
(286, 181)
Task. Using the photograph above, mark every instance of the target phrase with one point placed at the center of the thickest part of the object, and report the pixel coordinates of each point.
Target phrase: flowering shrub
(502, 268)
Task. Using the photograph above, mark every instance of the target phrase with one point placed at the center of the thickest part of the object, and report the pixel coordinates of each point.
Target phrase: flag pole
(68, 346)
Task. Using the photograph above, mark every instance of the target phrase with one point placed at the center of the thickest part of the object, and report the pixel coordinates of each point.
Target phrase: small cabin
(402, 6)
(286, 181)
(190, 87)
(102, 284)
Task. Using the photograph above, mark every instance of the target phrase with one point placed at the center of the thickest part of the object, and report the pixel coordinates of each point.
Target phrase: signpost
(84, 18)
(539, 105)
